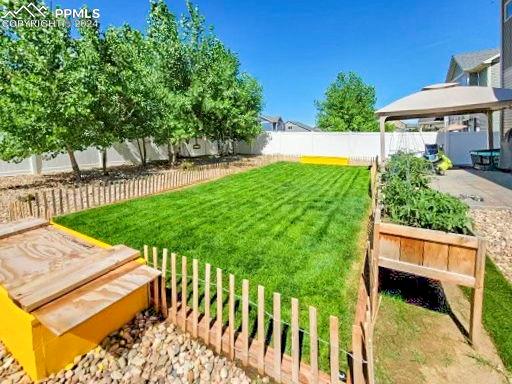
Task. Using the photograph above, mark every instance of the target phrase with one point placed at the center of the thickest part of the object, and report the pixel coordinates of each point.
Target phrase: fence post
(478, 295)
(174, 289)
(155, 282)
(313, 348)
(219, 310)
(163, 283)
(357, 356)
(261, 330)
(195, 296)
(207, 274)
(334, 349)
(184, 292)
(295, 341)
(276, 333)
(231, 316)
(245, 322)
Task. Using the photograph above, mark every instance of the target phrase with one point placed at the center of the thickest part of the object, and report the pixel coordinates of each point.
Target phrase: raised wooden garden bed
(447, 257)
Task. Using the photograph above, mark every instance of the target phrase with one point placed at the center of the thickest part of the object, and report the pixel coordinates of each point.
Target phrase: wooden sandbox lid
(61, 279)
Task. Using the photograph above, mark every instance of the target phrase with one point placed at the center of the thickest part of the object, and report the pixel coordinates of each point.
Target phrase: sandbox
(61, 293)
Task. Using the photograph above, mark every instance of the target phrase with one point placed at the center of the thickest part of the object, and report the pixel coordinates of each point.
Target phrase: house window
(508, 10)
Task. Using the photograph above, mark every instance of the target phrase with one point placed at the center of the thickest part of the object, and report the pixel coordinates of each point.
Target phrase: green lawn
(496, 313)
(293, 228)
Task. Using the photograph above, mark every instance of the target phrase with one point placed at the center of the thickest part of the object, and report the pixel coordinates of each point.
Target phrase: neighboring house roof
(271, 119)
(471, 61)
(303, 126)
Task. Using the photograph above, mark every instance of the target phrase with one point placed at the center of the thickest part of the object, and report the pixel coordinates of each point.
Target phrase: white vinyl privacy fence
(119, 154)
(355, 144)
(367, 144)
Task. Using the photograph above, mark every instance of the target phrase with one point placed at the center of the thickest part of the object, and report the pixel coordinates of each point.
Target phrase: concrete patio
(479, 189)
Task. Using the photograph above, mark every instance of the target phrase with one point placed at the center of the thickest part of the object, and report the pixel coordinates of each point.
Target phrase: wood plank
(20, 226)
(207, 298)
(313, 343)
(47, 288)
(218, 335)
(411, 251)
(195, 296)
(174, 289)
(163, 284)
(184, 291)
(475, 321)
(276, 335)
(429, 235)
(156, 300)
(389, 246)
(435, 255)
(357, 356)
(76, 307)
(261, 330)
(245, 322)
(462, 260)
(231, 316)
(295, 341)
(334, 342)
(432, 273)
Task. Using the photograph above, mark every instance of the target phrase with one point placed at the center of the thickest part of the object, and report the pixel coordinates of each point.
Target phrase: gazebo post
(490, 135)
(382, 122)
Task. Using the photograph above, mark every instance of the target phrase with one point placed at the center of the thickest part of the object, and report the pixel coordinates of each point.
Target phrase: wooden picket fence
(57, 201)
(231, 335)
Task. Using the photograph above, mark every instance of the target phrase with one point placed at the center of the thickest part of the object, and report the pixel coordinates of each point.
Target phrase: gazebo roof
(448, 99)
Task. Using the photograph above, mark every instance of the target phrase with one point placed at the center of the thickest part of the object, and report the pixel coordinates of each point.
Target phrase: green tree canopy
(349, 105)
(45, 104)
(62, 93)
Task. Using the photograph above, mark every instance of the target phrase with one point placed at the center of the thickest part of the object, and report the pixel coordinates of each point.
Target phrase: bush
(408, 200)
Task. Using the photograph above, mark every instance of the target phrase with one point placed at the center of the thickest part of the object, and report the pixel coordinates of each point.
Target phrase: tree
(135, 85)
(91, 54)
(45, 104)
(349, 105)
(224, 103)
(170, 65)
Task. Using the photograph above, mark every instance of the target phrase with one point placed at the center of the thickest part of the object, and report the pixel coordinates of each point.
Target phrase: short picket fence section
(57, 201)
(179, 295)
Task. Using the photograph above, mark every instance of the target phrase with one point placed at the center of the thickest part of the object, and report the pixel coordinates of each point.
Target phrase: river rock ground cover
(147, 350)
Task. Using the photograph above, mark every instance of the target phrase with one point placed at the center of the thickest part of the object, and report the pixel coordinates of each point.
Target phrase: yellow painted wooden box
(62, 293)
(324, 160)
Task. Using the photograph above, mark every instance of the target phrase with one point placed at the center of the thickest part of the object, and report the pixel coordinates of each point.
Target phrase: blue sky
(295, 48)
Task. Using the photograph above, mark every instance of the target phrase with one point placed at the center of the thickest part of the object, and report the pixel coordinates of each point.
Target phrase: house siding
(506, 63)
(506, 47)
(507, 114)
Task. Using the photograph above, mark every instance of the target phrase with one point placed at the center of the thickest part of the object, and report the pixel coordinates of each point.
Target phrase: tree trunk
(171, 153)
(74, 164)
(104, 162)
(142, 151)
(145, 157)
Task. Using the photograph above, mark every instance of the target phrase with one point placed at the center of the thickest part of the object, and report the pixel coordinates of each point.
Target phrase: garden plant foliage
(408, 199)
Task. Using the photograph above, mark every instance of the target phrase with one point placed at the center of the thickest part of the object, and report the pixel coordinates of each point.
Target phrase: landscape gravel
(147, 350)
(495, 226)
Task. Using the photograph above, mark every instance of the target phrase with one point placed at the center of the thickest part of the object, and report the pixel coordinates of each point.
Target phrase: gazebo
(446, 99)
